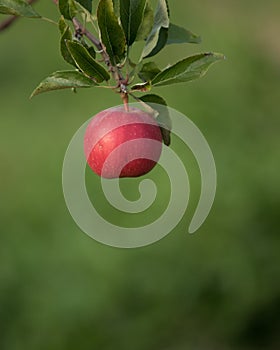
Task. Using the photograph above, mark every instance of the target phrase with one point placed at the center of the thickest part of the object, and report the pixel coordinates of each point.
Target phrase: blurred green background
(218, 289)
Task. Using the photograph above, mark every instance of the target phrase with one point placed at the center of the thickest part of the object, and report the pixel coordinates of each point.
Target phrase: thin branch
(82, 30)
(116, 72)
(79, 27)
(97, 43)
(9, 21)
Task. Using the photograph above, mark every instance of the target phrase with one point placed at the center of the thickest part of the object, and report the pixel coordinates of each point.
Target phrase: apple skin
(114, 127)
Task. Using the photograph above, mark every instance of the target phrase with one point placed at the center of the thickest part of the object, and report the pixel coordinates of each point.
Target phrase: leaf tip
(216, 55)
(220, 56)
(34, 93)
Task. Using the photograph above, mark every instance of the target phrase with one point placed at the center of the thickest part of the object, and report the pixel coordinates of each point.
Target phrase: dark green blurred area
(218, 289)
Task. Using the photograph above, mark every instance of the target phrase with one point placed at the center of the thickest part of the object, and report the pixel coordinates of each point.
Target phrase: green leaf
(153, 98)
(131, 63)
(131, 13)
(112, 35)
(180, 35)
(67, 8)
(149, 71)
(147, 23)
(64, 8)
(143, 87)
(66, 34)
(87, 4)
(91, 51)
(62, 25)
(159, 34)
(159, 104)
(63, 80)
(188, 69)
(18, 8)
(116, 4)
(161, 43)
(86, 63)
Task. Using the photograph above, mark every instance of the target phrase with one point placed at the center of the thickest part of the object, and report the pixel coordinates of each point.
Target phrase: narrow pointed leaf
(86, 63)
(159, 34)
(63, 80)
(131, 63)
(66, 34)
(147, 23)
(153, 98)
(159, 104)
(91, 51)
(112, 34)
(64, 8)
(68, 8)
(180, 35)
(87, 4)
(143, 87)
(188, 69)
(131, 14)
(18, 8)
(116, 4)
(149, 71)
(161, 43)
(62, 25)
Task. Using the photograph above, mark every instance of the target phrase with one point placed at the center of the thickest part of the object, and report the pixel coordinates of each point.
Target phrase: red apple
(120, 143)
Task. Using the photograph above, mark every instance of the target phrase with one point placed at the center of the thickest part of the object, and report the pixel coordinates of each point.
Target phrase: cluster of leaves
(118, 25)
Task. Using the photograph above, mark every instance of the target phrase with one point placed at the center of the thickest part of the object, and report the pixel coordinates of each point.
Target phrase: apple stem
(124, 96)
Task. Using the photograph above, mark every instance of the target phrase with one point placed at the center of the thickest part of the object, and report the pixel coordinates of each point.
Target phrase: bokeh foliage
(218, 289)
